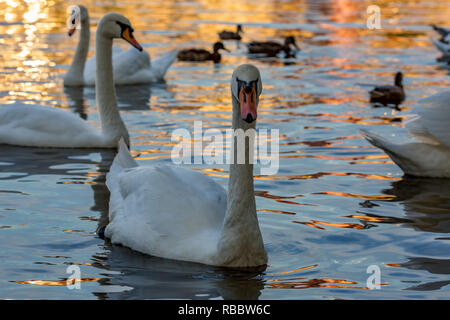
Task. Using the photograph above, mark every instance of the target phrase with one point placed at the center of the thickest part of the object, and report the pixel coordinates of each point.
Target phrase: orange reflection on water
(292, 271)
(384, 197)
(276, 211)
(54, 282)
(312, 283)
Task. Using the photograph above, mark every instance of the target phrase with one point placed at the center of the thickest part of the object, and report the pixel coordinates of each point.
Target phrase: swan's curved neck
(75, 74)
(112, 124)
(241, 243)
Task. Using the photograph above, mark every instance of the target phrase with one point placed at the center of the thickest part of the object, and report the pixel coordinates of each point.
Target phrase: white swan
(180, 214)
(40, 126)
(429, 154)
(129, 67)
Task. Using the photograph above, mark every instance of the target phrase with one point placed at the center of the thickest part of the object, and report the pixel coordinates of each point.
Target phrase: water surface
(336, 206)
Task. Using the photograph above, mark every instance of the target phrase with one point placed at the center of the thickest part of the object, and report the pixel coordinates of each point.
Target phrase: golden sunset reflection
(303, 283)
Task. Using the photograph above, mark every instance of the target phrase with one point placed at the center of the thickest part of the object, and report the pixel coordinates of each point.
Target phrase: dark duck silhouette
(389, 94)
(202, 54)
(230, 35)
(271, 48)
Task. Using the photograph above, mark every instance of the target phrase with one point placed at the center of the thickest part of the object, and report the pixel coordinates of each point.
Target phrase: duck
(272, 49)
(176, 213)
(202, 54)
(129, 66)
(44, 126)
(389, 94)
(230, 35)
(428, 154)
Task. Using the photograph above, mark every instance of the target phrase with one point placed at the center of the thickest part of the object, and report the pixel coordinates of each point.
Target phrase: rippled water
(336, 206)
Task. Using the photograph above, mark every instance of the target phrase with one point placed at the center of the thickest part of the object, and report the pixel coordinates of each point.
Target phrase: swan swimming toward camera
(176, 213)
(42, 126)
(429, 154)
(129, 66)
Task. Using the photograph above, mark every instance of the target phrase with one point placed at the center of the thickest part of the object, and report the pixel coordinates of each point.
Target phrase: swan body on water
(176, 213)
(129, 66)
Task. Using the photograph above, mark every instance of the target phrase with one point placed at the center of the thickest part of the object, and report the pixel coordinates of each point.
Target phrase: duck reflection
(145, 277)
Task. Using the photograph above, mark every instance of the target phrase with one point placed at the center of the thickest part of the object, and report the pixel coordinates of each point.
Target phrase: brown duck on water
(230, 35)
(271, 48)
(389, 94)
(202, 54)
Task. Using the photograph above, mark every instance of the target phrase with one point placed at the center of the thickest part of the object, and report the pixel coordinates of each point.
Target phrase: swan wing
(41, 126)
(164, 210)
(431, 125)
(442, 46)
(126, 64)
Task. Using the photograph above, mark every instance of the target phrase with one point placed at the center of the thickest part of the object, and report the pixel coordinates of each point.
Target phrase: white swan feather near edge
(177, 213)
(428, 155)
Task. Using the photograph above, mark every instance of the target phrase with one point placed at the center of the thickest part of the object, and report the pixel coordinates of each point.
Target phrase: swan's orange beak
(127, 35)
(247, 99)
(71, 31)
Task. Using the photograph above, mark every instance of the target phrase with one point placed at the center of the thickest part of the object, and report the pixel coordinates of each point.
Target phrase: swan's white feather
(415, 158)
(42, 126)
(166, 211)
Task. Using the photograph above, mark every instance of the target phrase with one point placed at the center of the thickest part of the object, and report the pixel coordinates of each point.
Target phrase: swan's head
(246, 86)
(114, 25)
(78, 16)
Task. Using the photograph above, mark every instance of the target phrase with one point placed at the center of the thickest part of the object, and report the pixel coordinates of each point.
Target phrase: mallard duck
(389, 94)
(442, 31)
(271, 48)
(230, 35)
(202, 54)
